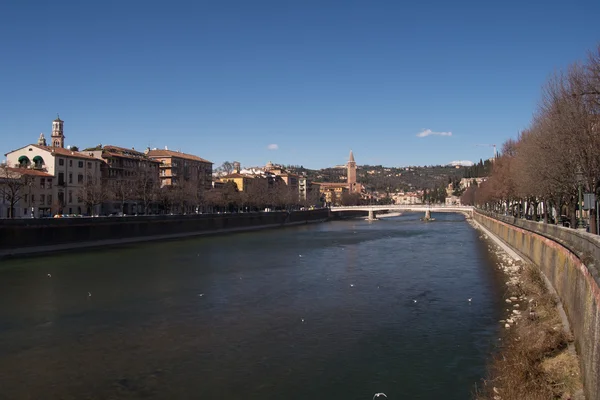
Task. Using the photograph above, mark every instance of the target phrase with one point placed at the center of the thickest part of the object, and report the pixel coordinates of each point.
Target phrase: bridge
(427, 209)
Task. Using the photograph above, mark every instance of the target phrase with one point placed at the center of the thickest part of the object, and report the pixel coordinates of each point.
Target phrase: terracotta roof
(33, 172)
(236, 175)
(115, 151)
(110, 147)
(176, 154)
(332, 184)
(64, 152)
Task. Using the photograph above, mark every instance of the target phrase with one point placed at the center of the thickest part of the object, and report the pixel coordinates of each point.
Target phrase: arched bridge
(372, 210)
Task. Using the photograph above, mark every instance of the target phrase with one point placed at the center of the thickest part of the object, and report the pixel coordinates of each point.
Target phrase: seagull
(469, 299)
(201, 294)
(49, 275)
(302, 319)
(89, 294)
(352, 285)
(299, 255)
(379, 396)
(414, 301)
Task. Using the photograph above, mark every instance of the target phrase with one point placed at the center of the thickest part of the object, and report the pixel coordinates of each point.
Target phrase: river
(339, 310)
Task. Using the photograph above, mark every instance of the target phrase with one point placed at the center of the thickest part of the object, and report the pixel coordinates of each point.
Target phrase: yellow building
(241, 181)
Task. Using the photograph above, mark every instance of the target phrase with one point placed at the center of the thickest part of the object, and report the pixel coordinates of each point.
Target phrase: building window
(49, 183)
(80, 164)
(70, 178)
(89, 165)
(33, 199)
(42, 199)
(61, 178)
(70, 196)
(61, 161)
(80, 179)
(49, 199)
(25, 197)
(42, 183)
(70, 163)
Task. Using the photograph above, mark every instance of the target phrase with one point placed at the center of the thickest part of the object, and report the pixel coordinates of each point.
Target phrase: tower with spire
(351, 173)
(58, 136)
(41, 140)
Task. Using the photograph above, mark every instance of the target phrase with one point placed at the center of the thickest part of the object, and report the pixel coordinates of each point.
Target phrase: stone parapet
(569, 260)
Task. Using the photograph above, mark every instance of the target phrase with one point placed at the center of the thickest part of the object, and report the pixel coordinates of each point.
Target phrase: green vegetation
(389, 179)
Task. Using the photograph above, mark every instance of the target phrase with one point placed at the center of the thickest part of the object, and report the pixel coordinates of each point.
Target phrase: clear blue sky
(226, 79)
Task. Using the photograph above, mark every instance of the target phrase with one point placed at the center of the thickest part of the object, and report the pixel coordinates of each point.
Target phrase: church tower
(42, 140)
(58, 137)
(351, 173)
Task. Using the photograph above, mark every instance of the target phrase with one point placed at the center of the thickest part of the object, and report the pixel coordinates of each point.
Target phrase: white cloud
(273, 146)
(428, 132)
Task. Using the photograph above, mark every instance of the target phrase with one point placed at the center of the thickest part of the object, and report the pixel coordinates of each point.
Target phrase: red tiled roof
(332, 184)
(176, 154)
(115, 151)
(26, 171)
(235, 175)
(64, 152)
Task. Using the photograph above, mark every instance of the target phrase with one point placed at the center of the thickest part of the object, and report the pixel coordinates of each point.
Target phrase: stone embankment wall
(569, 259)
(27, 236)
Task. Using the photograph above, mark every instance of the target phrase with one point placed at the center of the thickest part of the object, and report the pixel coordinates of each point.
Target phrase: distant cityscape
(51, 179)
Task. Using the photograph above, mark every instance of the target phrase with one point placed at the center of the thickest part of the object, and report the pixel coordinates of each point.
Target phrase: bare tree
(93, 193)
(145, 186)
(123, 191)
(350, 199)
(12, 184)
(226, 168)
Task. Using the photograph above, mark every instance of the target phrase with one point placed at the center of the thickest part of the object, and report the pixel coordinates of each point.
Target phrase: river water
(339, 310)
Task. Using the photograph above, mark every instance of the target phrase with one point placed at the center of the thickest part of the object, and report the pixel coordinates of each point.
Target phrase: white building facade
(68, 171)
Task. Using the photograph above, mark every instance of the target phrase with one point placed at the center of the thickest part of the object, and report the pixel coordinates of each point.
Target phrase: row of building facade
(59, 177)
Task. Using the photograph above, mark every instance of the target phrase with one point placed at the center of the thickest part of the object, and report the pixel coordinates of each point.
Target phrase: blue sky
(226, 79)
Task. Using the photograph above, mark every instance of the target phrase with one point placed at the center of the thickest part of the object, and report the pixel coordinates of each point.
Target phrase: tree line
(538, 175)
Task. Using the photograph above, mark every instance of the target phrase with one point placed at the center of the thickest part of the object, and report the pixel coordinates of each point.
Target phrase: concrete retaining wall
(557, 252)
(23, 235)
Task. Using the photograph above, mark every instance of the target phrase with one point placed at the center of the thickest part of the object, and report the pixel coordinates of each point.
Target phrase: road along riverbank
(27, 237)
(536, 358)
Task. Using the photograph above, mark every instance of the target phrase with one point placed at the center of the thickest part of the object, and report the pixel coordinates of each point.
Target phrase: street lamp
(579, 177)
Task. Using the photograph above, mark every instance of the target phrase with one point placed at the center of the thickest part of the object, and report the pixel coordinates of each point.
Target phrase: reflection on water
(338, 310)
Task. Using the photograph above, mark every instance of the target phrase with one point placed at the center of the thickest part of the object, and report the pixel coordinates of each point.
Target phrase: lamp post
(579, 177)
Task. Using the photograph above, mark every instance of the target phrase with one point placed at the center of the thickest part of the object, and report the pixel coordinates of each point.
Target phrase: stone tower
(41, 140)
(351, 173)
(58, 137)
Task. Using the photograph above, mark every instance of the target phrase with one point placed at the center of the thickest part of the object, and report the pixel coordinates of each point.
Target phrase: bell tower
(58, 137)
(351, 173)
(42, 140)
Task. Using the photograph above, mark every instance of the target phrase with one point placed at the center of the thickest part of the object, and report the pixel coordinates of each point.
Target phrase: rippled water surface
(339, 310)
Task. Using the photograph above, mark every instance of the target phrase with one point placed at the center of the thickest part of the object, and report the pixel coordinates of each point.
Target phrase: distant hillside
(389, 179)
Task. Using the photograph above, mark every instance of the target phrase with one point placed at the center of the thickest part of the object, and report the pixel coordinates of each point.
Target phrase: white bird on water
(89, 294)
(49, 275)
(414, 301)
(470, 298)
(379, 396)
